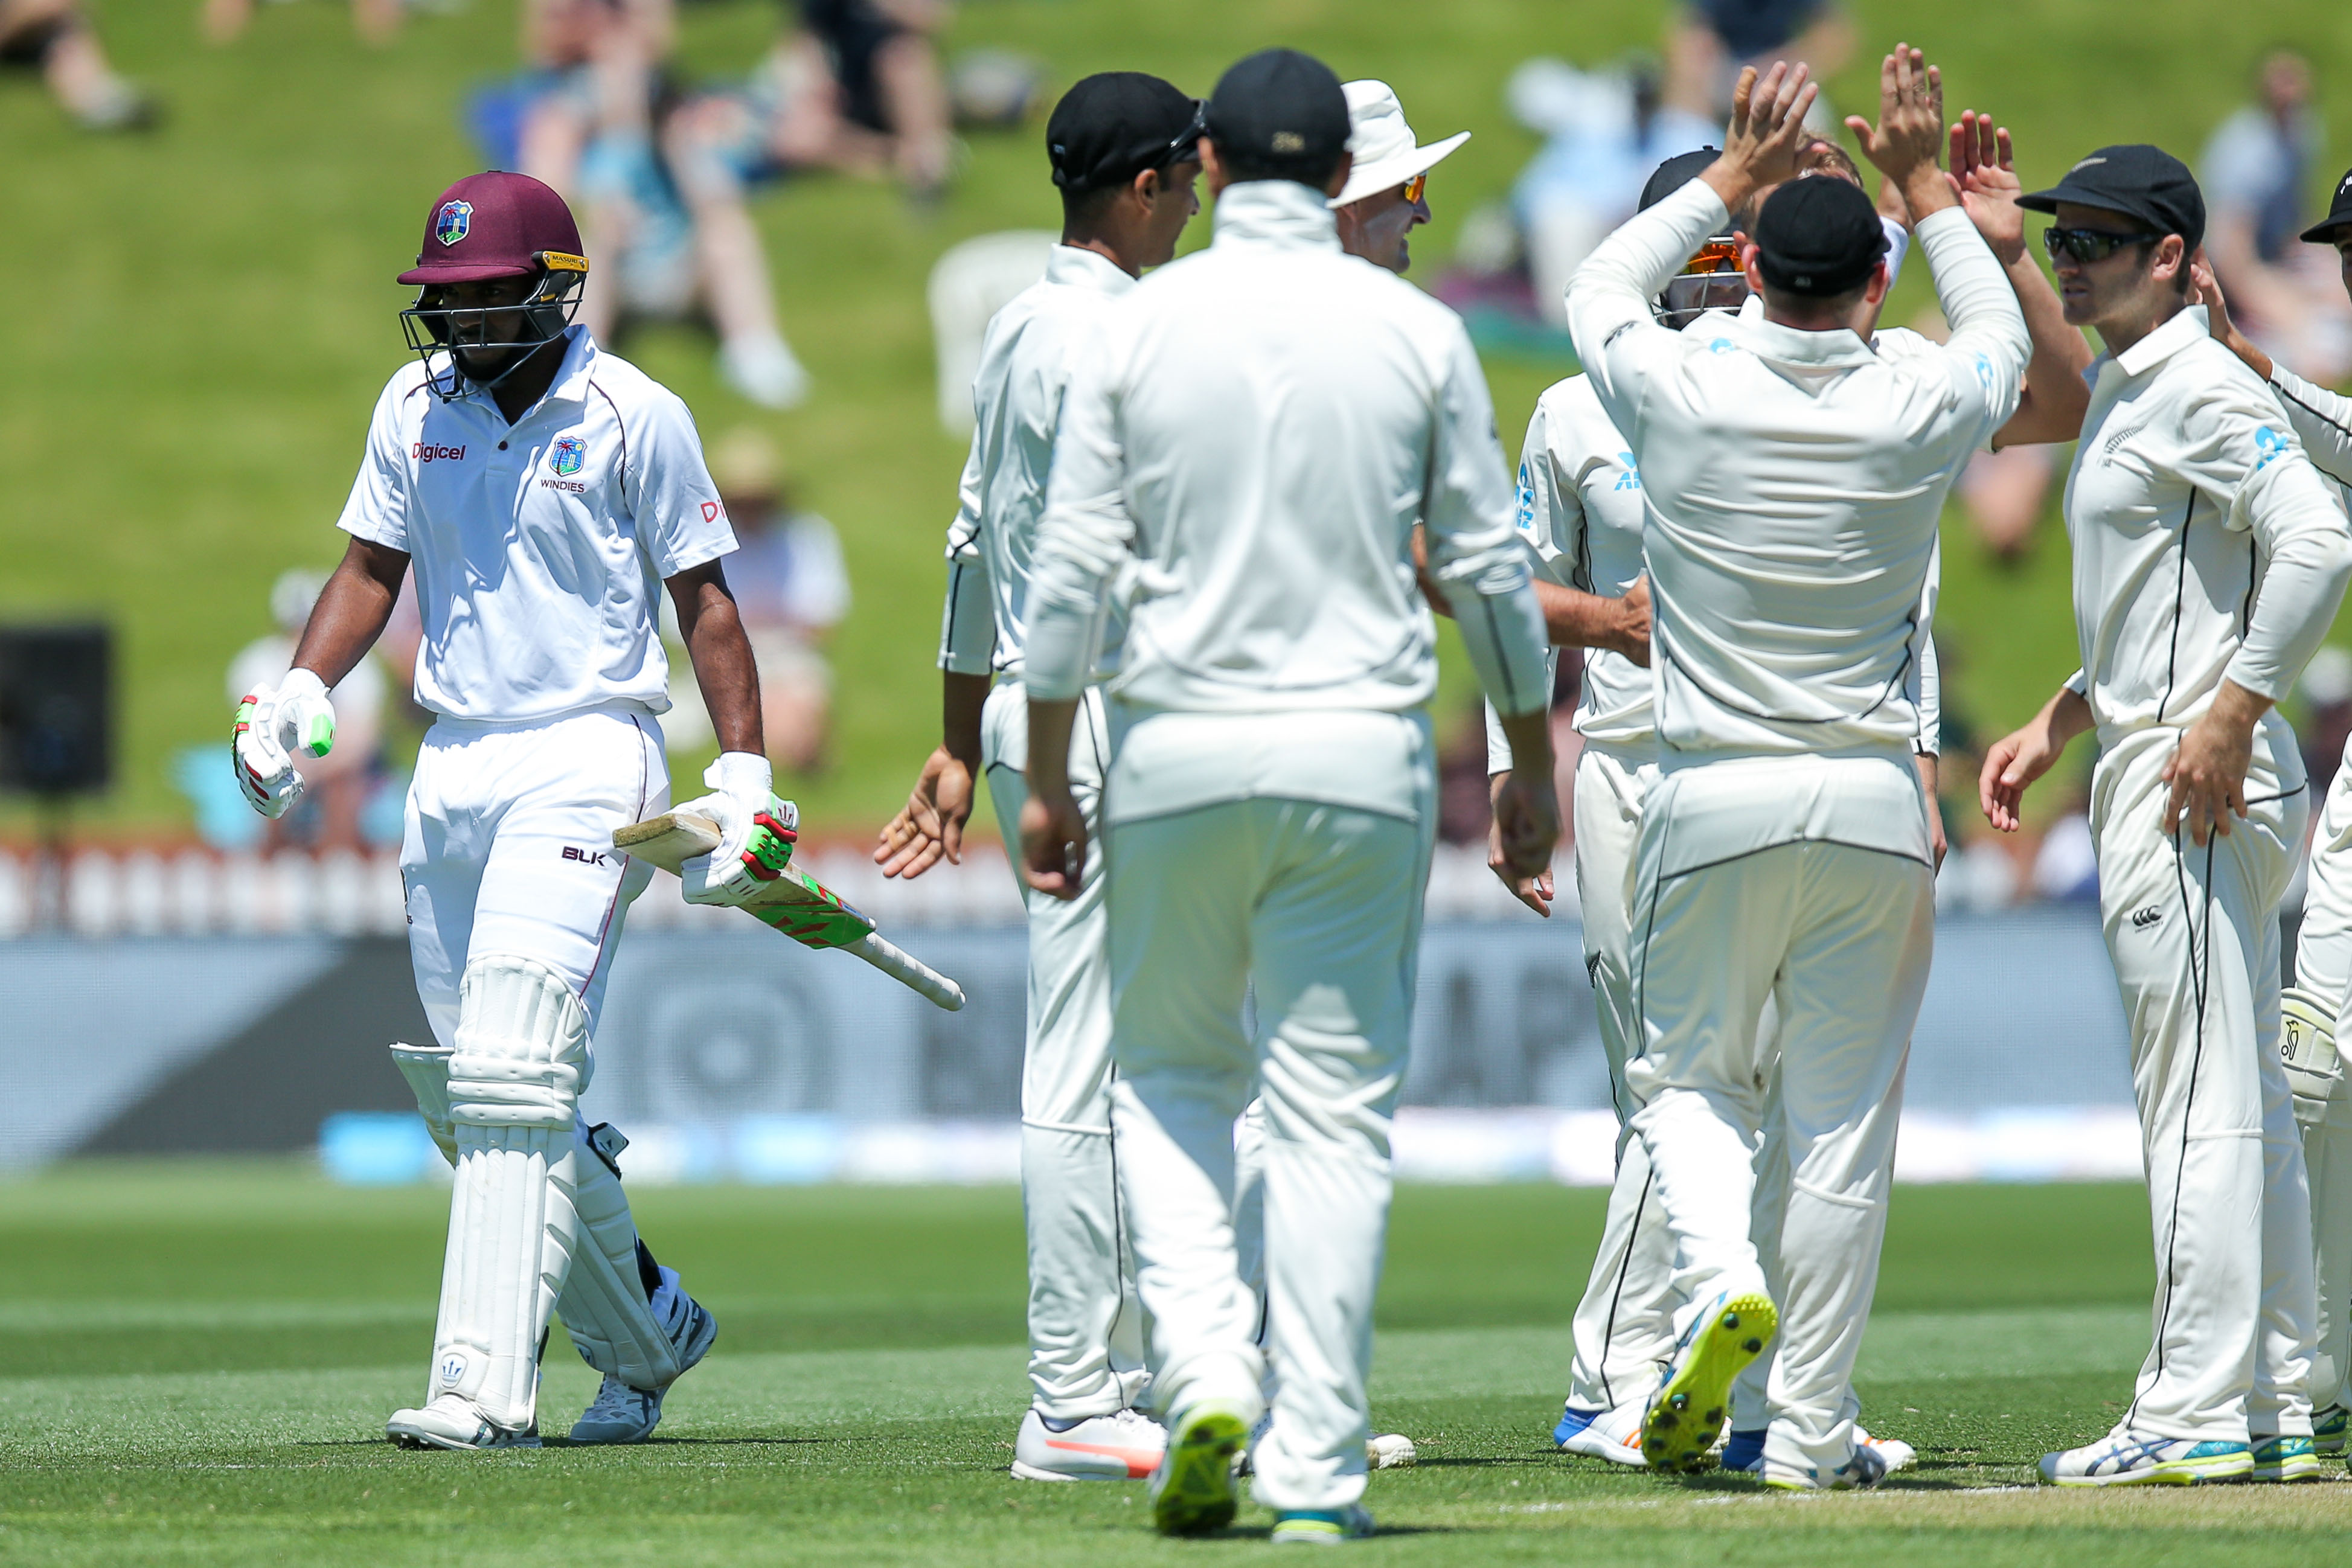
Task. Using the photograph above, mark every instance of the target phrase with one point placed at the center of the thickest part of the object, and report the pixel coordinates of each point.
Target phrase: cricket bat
(795, 904)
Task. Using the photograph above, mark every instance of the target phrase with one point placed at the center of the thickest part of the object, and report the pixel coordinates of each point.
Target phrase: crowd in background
(661, 170)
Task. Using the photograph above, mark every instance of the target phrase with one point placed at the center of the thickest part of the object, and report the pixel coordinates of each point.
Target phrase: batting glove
(756, 832)
(272, 724)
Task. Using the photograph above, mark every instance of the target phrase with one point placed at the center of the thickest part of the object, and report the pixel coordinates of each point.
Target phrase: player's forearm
(351, 612)
(1575, 619)
(1617, 281)
(2302, 528)
(961, 699)
(1503, 633)
(1973, 290)
(2066, 716)
(724, 669)
(1529, 735)
(1050, 719)
(2321, 419)
(2056, 396)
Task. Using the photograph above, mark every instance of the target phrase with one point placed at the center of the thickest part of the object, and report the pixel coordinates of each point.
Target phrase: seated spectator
(791, 589)
(340, 783)
(56, 37)
(2286, 295)
(859, 88)
(1604, 133)
(1710, 40)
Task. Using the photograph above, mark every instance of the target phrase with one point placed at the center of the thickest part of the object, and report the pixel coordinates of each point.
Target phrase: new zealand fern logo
(455, 222)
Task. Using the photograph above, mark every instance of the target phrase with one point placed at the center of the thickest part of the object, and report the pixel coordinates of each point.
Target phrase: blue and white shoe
(2286, 1460)
(1745, 1451)
(2327, 1429)
(1683, 1421)
(1865, 1469)
(1322, 1526)
(2137, 1458)
(1612, 1435)
(622, 1412)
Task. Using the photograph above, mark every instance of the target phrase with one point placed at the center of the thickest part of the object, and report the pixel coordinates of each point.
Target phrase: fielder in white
(1124, 148)
(1244, 461)
(1793, 481)
(543, 492)
(1580, 507)
(2209, 557)
(2315, 1009)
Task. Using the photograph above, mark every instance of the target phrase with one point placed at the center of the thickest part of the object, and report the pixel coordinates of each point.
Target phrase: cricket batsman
(1793, 481)
(2315, 1009)
(1243, 464)
(1124, 148)
(2209, 557)
(543, 492)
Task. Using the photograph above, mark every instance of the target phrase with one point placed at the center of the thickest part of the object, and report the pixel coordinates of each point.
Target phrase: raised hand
(1984, 176)
(2205, 289)
(1768, 127)
(1909, 134)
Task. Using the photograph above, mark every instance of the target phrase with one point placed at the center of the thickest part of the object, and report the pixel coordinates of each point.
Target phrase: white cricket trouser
(1319, 907)
(2194, 934)
(2323, 965)
(508, 851)
(1625, 1327)
(1743, 897)
(1086, 1328)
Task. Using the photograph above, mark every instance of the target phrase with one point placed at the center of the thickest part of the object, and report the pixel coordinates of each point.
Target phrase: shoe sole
(1627, 1453)
(1313, 1532)
(1688, 1414)
(410, 1438)
(2176, 1473)
(1197, 1493)
(2302, 1468)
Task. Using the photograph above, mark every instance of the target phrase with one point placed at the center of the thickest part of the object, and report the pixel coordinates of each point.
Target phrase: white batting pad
(523, 1046)
(604, 1305)
(514, 1078)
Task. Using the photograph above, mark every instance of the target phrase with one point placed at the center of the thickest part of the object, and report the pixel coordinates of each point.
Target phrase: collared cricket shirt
(540, 547)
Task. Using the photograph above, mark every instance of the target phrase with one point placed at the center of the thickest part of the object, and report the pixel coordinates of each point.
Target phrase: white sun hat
(1386, 152)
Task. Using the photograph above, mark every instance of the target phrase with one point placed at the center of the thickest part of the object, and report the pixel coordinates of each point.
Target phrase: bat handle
(909, 972)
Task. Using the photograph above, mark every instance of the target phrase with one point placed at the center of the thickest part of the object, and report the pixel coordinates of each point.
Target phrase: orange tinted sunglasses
(1716, 255)
(1415, 186)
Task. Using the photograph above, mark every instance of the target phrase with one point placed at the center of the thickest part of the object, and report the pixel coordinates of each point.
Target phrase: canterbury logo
(2144, 918)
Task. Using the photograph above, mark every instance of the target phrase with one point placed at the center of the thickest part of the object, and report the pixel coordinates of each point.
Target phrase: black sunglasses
(1185, 146)
(2090, 245)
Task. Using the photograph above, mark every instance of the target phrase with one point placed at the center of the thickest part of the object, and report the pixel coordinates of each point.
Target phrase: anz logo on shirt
(2270, 444)
(1631, 478)
(1527, 501)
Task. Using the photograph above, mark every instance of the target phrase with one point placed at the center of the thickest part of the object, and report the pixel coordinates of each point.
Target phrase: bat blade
(669, 840)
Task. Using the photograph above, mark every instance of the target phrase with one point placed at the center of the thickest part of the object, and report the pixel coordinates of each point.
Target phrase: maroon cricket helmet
(496, 225)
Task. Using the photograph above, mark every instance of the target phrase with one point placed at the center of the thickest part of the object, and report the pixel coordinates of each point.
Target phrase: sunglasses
(1414, 187)
(1715, 255)
(2090, 245)
(1185, 145)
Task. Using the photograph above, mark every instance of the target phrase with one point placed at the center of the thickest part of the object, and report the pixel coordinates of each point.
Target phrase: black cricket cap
(1280, 113)
(1818, 238)
(1114, 125)
(2339, 214)
(2139, 182)
(1674, 174)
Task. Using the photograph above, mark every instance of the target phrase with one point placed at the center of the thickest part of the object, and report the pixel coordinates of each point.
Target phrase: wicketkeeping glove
(272, 724)
(756, 830)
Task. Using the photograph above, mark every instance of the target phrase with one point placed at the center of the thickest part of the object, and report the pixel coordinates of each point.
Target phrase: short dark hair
(1086, 206)
(1240, 167)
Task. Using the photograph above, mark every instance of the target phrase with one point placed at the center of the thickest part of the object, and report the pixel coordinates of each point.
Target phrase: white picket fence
(195, 891)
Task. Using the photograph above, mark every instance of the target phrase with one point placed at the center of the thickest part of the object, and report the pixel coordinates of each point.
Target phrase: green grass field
(204, 317)
(195, 1364)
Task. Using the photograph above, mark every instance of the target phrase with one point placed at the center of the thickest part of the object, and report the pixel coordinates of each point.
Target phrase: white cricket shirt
(1031, 349)
(1246, 457)
(540, 547)
(2206, 544)
(1792, 484)
(2322, 421)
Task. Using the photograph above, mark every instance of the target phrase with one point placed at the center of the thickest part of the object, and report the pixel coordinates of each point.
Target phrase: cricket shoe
(2286, 1460)
(1745, 1451)
(1686, 1418)
(1322, 1526)
(1124, 1446)
(2133, 1458)
(1866, 1467)
(2328, 1428)
(1613, 1435)
(622, 1413)
(452, 1421)
(1194, 1491)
